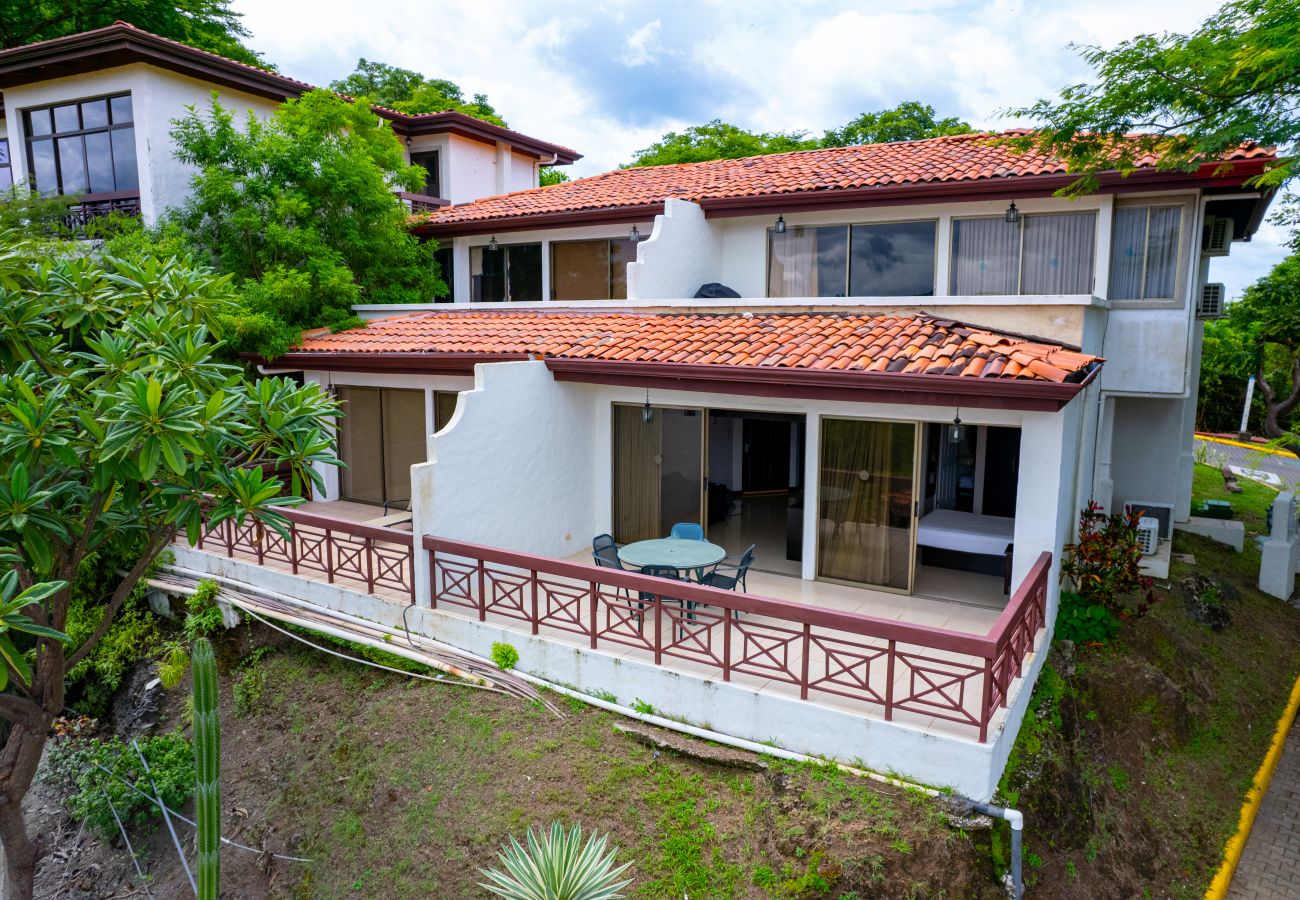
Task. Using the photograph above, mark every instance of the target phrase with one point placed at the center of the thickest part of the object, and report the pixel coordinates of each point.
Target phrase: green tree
(717, 140)
(406, 90)
(206, 24)
(1269, 313)
(299, 209)
(118, 424)
(1192, 97)
(908, 121)
(550, 175)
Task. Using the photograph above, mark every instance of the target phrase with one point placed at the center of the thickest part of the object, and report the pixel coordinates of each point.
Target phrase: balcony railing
(896, 666)
(92, 206)
(893, 666)
(421, 202)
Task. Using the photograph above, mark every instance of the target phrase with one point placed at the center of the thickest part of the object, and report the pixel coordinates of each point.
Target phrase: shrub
(1105, 564)
(1083, 622)
(505, 656)
(557, 866)
(203, 617)
(171, 766)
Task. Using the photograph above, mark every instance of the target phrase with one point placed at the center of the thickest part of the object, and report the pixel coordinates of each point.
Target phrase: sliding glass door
(658, 471)
(866, 490)
(381, 435)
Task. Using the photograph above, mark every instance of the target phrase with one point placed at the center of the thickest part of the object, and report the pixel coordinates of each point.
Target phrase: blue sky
(608, 78)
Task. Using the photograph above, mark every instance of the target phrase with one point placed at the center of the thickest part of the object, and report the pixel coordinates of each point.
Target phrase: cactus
(207, 770)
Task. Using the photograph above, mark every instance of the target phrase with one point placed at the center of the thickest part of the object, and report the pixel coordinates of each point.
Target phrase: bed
(953, 539)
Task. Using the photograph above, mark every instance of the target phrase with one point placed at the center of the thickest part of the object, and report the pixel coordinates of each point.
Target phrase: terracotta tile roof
(958, 158)
(835, 341)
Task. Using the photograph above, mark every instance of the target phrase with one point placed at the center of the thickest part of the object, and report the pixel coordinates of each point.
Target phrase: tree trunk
(1274, 409)
(21, 756)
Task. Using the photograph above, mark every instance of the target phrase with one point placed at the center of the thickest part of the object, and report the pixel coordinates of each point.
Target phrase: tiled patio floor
(958, 601)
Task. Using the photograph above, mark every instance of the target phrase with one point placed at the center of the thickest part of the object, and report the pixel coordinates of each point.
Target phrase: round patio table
(676, 553)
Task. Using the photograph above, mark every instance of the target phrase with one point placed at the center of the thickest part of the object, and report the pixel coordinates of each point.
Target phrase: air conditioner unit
(1210, 304)
(1149, 535)
(1218, 236)
(1163, 513)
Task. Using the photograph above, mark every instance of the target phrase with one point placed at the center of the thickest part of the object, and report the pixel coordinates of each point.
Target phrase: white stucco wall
(471, 168)
(682, 253)
(1147, 439)
(158, 97)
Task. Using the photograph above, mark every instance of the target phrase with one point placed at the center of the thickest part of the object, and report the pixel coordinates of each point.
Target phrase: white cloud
(643, 45)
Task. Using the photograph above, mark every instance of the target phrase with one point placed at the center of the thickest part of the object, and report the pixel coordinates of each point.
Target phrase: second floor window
(6, 168)
(1144, 252)
(1040, 254)
(893, 259)
(79, 148)
(429, 162)
(591, 270)
(511, 272)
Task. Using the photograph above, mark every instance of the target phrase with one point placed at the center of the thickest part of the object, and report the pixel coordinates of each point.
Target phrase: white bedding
(950, 529)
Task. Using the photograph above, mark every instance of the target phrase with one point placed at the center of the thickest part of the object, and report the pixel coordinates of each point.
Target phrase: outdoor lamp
(956, 431)
(647, 411)
(493, 245)
(780, 225)
(1013, 214)
(635, 235)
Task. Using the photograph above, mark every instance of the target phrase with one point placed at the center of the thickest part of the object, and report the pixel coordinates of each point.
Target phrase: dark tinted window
(84, 147)
(894, 260)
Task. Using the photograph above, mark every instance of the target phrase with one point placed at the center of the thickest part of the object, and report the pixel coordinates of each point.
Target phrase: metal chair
(604, 550)
(687, 531)
(668, 572)
(730, 575)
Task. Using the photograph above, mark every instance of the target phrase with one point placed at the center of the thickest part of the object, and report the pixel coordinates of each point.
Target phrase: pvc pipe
(1016, 819)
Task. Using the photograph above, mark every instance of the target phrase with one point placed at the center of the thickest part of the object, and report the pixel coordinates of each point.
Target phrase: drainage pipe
(1013, 817)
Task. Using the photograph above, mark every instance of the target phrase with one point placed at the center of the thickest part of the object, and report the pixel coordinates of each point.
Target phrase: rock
(666, 740)
(138, 702)
(1061, 657)
(1207, 600)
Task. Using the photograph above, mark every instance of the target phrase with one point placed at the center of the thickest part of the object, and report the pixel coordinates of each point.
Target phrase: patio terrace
(943, 663)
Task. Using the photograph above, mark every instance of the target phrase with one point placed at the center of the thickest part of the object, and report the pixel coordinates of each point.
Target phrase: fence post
(536, 623)
(329, 556)
(293, 547)
(433, 579)
(591, 593)
(368, 548)
(410, 568)
(986, 699)
(726, 644)
(807, 649)
(889, 680)
(659, 644)
(482, 590)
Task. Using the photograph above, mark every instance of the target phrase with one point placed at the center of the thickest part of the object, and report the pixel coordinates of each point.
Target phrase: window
(1144, 252)
(446, 260)
(84, 147)
(444, 407)
(6, 168)
(591, 270)
(1040, 254)
(511, 273)
(429, 162)
(887, 260)
(381, 435)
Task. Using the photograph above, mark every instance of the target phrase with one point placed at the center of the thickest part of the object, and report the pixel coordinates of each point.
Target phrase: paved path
(1285, 467)
(1270, 864)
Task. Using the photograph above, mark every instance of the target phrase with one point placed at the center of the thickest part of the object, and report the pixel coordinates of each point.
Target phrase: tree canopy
(118, 427)
(1193, 97)
(206, 24)
(299, 209)
(406, 90)
(908, 121)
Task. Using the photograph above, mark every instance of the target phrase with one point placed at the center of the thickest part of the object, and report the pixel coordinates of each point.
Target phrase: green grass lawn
(1250, 506)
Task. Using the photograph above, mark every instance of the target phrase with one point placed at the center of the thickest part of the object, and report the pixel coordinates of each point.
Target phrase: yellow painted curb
(1259, 448)
(1254, 797)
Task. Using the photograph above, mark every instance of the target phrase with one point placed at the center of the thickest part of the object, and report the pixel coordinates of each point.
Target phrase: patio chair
(687, 531)
(604, 551)
(731, 575)
(668, 572)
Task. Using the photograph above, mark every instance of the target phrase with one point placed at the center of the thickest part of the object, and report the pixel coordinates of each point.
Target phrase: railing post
(889, 680)
(410, 568)
(329, 556)
(433, 579)
(726, 644)
(591, 593)
(535, 621)
(293, 547)
(368, 550)
(230, 537)
(259, 542)
(986, 700)
(803, 673)
(659, 643)
(482, 590)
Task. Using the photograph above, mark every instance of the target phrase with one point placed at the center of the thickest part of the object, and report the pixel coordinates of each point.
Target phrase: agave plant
(557, 865)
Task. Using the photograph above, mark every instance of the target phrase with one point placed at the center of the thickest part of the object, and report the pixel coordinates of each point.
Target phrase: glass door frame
(703, 412)
(917, 428)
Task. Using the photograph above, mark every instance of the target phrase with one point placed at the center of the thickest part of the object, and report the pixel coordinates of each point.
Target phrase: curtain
(361, 445)
(580, 270)
(1162, 252)
(1128, 252)
(404, 440)
(792, 271)
(1058, 253)
(636, 475)
(865, 501)
(985, 253)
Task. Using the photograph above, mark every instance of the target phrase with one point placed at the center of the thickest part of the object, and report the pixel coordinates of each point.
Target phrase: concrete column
(1103, 485)
(1187, 447)
(811, 498)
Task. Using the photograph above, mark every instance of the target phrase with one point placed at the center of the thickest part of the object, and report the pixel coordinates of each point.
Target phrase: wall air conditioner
(1210, 303)
(1163, 513)
(1149, 535)
(1218, 236)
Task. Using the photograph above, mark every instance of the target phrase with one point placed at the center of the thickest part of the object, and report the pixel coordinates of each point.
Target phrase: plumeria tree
(119, 426)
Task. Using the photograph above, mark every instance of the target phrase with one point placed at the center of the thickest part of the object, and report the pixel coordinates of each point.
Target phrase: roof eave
(419, 363)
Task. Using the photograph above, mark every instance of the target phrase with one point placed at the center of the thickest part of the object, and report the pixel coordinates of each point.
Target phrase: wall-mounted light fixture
(780, 225)
(647, 411)
(1013, 214)
(493, 245)
(408, 142)
(956, 431)
(635, 235)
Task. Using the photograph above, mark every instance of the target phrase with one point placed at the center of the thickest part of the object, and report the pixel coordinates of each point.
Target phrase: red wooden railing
(962, 678)
(341, 550)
